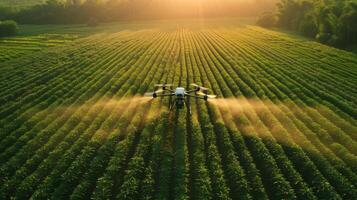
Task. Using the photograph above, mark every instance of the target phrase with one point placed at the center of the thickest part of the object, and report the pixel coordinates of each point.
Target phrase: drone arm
(170, 90)
(165, 88)
(165, 95)
(190, 91)
(195, 96)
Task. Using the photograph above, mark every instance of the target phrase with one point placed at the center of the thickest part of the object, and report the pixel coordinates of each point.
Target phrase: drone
(180, 96)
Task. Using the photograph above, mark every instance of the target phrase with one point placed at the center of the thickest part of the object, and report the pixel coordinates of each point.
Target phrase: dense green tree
(267, 19)
(332, 22)
(8, 28)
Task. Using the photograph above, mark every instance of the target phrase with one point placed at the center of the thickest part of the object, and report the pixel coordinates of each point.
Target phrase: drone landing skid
(173, 103)
(188, 106)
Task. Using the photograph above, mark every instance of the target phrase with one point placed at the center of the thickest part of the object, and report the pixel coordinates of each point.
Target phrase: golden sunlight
(195, 8)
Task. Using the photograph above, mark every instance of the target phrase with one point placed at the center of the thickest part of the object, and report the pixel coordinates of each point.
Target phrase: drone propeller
(207, 95)
(153, 93)
(212, 96)
(199, 87)
(163, 85)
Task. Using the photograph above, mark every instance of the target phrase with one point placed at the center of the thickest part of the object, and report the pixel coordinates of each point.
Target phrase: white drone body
(180, 94)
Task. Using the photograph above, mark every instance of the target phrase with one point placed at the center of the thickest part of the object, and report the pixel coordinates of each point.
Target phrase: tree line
(332, 22)
(82, 11)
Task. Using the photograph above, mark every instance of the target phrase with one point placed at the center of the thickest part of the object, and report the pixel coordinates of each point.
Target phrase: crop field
(33, 38)
(18, 46)
(74, 123)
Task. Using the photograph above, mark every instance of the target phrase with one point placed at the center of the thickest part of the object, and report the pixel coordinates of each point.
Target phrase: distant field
(33, 38)
(74, 124)
(18, 46)
(21, 3)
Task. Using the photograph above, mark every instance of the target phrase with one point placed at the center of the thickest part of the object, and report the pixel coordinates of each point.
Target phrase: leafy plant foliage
(331, 22)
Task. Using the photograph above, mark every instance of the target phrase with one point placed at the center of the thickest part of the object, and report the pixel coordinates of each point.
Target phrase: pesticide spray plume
(264, 119)
(238, 105)
(112, 108)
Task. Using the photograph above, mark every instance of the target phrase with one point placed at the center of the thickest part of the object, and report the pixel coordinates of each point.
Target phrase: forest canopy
(81, 11)
(332, 22)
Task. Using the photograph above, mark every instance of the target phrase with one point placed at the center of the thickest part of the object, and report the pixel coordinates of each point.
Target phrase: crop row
(75, 125)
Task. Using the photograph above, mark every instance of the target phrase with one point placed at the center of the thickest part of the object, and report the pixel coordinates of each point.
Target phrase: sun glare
(194, 8)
